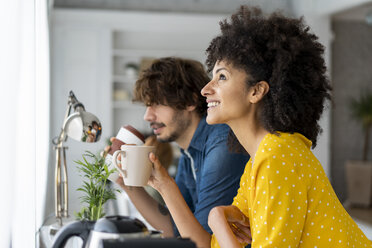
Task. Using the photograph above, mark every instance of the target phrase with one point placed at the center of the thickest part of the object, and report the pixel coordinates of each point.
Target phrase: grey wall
(351, 73)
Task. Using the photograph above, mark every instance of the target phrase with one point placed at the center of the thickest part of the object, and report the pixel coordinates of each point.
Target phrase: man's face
(168, 123)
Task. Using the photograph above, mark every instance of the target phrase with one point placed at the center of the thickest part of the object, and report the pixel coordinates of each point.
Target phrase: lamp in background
(81, 126)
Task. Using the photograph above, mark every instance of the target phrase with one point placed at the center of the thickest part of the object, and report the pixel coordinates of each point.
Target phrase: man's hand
(159, 176)
(154, 213)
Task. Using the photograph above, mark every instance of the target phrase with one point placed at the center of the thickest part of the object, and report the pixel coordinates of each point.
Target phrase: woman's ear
(258, 91)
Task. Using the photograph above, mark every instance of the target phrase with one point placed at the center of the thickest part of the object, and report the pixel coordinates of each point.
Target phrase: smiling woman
(269, 85)
(25, 131)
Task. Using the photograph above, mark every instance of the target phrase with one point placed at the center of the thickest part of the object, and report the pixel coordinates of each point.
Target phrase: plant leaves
(95, 190)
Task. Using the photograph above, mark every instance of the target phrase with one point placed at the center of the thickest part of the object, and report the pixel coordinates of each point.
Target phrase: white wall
(318, 15)
(81, 43)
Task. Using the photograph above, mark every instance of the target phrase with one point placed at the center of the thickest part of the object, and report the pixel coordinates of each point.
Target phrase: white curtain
(24, 102)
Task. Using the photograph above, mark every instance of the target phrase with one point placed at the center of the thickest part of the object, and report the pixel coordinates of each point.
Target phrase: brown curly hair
(174, 82)
(282, 52)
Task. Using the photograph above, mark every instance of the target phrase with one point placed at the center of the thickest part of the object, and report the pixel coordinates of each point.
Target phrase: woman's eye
(221, 77)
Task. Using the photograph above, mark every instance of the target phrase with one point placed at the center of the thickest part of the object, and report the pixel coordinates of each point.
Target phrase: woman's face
(227, 94)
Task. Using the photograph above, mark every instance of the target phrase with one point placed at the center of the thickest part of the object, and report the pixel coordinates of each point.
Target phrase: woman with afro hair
(269, 85)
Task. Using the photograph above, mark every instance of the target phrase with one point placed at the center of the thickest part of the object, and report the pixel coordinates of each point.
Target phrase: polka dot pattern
(290, 201)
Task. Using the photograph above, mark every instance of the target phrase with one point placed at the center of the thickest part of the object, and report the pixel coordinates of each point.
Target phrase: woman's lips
(213, 104)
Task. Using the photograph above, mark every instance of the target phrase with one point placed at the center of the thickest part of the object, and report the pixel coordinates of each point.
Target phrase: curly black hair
(174, 82)
(282, 52)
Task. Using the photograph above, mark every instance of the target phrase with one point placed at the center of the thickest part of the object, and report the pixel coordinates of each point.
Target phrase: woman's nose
(207, 89)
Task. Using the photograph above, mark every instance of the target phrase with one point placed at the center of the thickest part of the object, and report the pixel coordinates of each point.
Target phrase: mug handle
(123, 172)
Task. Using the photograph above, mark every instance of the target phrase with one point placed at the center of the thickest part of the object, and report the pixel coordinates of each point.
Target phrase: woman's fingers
(243, 235)
(239, 236)
(244, 220)
(245, 229)
(240, 224)
(235, 215)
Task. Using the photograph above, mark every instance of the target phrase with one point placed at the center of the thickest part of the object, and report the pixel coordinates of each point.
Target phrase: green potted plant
(95, 174)
(359, 173)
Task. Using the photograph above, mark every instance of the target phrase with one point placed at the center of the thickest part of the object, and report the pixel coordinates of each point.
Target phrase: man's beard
(180, 124)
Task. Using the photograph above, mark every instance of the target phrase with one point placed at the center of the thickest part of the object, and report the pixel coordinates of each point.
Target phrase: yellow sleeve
(214, 243)
(278, 205)
(241, 199)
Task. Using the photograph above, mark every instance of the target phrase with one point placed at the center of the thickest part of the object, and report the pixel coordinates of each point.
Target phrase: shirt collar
(198, 139)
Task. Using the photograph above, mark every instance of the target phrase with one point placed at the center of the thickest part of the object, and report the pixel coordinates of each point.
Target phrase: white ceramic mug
(126, 135)
(136, 166)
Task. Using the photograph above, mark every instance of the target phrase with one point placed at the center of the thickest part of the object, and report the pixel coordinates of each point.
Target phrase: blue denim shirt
(208, 174)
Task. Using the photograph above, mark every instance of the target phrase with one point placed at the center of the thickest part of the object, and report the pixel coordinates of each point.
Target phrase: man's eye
(221, 77)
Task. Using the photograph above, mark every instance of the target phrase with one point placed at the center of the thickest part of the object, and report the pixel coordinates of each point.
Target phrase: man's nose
(149, 114)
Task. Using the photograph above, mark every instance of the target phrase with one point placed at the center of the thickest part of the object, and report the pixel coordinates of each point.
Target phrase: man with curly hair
(208, 174)
(269, 85)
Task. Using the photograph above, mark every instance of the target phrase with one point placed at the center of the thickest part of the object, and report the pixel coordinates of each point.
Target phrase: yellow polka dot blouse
(290, 201)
